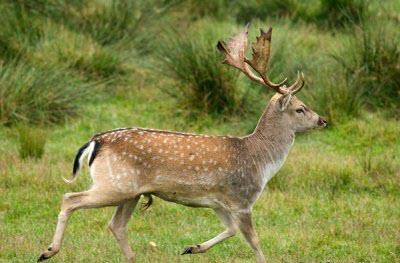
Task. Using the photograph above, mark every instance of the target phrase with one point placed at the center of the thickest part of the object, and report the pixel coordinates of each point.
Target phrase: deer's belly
(187, 199)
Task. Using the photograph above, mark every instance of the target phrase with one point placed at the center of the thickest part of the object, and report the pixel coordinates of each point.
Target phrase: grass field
(71, 74)
(336, 199)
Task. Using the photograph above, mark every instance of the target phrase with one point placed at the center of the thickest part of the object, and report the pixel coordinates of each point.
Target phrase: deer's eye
(300, 110)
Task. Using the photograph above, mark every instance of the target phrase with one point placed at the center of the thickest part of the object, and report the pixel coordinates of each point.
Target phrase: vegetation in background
(82, 67)
(122, 22)
(204, 83)
(37, 95)
(325, 13)
(334, 96)
(100, 42)
(255, 9)
(216, 9)
(371, 61)
(19, 32)
(32, 141)
(339, 13)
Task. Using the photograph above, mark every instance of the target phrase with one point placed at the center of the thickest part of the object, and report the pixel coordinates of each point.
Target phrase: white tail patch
(86, 153)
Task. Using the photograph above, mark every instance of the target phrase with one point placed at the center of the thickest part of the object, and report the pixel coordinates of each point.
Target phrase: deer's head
(284, 106)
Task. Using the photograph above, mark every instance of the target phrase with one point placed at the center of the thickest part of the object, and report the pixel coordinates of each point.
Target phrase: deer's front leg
(247, 229)
(230, 230)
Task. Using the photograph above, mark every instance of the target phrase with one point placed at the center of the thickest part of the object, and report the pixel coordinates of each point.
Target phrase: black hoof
(188, 250)
(42, 258)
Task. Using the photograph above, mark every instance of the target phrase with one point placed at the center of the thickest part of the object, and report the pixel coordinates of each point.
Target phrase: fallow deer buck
(226, 174)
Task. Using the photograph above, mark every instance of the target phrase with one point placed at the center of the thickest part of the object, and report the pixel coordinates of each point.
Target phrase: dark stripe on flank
(78, 155)
(95, 152)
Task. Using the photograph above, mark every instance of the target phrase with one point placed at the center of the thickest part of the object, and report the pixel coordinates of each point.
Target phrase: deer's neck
(269, 145)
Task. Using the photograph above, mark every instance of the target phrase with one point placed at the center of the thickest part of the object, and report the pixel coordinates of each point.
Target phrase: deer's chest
(268, 170)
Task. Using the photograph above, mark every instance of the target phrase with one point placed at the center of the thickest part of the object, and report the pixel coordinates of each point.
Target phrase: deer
(224, 173)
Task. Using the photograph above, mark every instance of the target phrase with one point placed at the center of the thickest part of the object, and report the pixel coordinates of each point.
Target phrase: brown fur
(224, 173)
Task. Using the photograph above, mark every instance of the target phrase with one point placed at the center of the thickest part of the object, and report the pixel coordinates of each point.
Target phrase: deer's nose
(322, 122)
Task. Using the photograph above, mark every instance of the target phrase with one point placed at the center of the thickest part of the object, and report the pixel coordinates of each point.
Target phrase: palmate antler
(234, 50)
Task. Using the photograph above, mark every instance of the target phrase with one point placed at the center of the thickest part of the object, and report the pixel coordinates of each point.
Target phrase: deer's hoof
(46, 255)
(187, 250)
(42, 257)
(192, 250)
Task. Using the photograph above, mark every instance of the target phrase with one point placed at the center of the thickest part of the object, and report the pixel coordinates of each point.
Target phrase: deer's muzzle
(322, 122)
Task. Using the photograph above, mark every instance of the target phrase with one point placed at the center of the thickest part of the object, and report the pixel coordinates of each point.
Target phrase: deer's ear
(284, 101)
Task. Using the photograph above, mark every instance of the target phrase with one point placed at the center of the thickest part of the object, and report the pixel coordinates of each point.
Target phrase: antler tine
(261, 53)
(234, 50)
(298, 84)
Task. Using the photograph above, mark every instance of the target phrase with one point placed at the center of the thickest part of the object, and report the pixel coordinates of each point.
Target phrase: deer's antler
(234, 50)
(298, 84)
(261, 52)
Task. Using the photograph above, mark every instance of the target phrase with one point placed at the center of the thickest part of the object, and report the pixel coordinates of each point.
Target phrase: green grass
(37, 95)
(32, 141)
(372, 64)
(66, 67)
(204, 83)
(336, 199)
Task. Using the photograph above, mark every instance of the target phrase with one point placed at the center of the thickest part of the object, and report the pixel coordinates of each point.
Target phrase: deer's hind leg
(72, 202)
(118, 227)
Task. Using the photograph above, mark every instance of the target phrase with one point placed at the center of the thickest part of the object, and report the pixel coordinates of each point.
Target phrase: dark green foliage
(371, 61)
(37, 95)
(18, 31)
(101, 64)
(107, 22)
(334, 96)
(31, 141)
(342, 12)
(216, 9)
(251, 9)
(330, 13)
(85, 42)
(204, 82)
(119, 20)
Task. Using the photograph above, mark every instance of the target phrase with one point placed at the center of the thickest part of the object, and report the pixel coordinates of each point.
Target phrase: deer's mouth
(322, 122)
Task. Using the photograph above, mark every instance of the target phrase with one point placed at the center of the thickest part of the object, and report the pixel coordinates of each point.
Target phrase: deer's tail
(89, 149)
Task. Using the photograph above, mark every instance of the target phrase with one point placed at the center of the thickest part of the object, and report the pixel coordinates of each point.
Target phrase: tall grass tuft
(216, 9)
(31, 141)
(18, 31)
(37, 95)
(107, 22)
(336, 13)
(131, 22)
(371, 59)
(204, 83)
(334, 96)
(64, 48)
(330, 13)
(249, 10)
